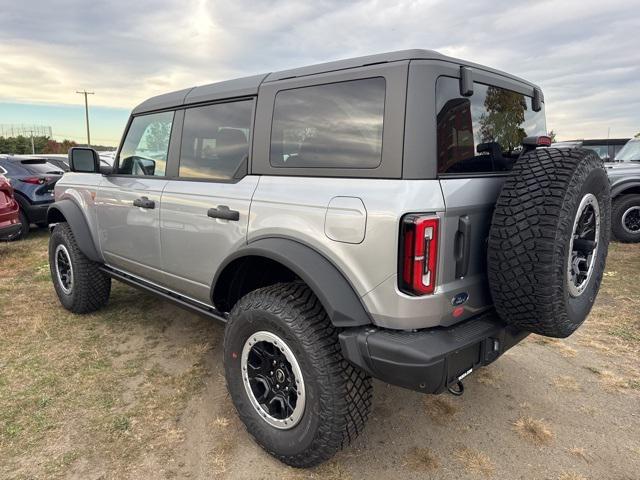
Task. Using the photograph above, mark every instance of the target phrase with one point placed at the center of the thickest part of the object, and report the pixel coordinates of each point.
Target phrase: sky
(584, 54)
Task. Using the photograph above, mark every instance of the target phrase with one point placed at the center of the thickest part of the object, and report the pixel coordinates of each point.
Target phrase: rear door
(205, 209)
(478, 138)
(128, 201)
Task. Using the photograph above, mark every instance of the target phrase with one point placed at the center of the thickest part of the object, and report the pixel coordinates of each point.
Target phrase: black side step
(166, 294)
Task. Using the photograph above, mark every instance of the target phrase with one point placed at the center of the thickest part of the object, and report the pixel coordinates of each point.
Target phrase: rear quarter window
(482, 133)
(337, 125)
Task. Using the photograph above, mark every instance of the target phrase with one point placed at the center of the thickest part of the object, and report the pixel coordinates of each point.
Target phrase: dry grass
(488, 376)
(564, 382)
(73, 391)
(439, 408)
(475, 461)
(422, 459)
(579, 452)
(221, 422)
(616, 330)
(571, 476)
(536, 431)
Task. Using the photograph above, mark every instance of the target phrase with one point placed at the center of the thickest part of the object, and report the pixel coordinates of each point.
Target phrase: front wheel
(80, 284)
(625, 221)
(296, 394)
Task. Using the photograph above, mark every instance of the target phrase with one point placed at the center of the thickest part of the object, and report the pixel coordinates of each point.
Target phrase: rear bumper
(8, 231)
(429, 360)
(37, 213)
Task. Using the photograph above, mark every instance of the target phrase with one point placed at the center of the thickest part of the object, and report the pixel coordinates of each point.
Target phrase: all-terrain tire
(338, 395)
(90, 287)
(626, 209)
(529, 246)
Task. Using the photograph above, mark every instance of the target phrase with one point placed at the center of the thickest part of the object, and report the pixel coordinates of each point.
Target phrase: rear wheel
(296, 394)
(549, 239)
(626, 218)
(80, 284)
(24, 229)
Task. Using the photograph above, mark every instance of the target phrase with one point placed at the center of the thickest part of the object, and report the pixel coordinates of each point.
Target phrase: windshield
(630, 152)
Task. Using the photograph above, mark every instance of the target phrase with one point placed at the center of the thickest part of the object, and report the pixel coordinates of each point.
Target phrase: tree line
(22, 145)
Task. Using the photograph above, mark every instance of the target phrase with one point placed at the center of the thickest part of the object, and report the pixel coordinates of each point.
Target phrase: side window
(482, 133)
(145, 148)
(337, 125)
(215, 141)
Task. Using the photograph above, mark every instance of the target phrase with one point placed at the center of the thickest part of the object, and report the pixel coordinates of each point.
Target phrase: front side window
(146, 146)
(337, 125)
(482, 133)
(215, 141)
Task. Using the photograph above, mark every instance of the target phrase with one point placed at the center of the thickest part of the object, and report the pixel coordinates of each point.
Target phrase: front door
(128, 201)
(204, 211)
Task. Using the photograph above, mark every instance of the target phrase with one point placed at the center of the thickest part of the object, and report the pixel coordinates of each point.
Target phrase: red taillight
(34, 180)
(418, 254)
(544, 141)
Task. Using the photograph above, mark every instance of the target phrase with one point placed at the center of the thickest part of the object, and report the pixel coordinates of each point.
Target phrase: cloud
(584, 54)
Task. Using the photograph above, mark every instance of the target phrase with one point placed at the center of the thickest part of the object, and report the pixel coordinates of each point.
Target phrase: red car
(9, 223)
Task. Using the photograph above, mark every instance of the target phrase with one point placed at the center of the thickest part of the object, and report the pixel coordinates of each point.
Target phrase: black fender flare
(622, 185)
(73, 215)
(338, 297)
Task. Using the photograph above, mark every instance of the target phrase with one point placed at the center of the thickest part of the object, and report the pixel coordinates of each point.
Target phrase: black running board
(170, 295)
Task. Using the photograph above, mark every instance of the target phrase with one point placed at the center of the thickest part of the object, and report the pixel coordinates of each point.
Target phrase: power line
(86, 112)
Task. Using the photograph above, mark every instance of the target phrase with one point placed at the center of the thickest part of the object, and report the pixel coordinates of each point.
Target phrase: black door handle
(223, 212)
(144, 202)
(463, 246)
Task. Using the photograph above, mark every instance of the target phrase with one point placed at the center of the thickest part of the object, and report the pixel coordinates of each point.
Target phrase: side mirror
(84, 160)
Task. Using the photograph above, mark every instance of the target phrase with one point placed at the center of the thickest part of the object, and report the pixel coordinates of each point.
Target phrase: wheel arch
(284, 259)
(626, 187)
(68, 211)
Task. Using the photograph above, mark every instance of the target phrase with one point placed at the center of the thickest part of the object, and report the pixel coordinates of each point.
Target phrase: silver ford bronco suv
(396, 216)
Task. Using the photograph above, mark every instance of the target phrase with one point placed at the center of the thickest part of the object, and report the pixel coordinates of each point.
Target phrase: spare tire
(549, 239)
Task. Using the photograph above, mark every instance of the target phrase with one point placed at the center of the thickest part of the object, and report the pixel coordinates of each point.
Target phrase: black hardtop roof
(247, 86)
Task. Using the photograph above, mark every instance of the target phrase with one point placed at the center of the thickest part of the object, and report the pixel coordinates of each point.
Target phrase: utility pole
(33, 146)
(86, 112)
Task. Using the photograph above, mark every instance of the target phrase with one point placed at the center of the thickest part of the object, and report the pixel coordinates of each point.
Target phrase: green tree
(502, 123)
(552, 135)
(157, 136)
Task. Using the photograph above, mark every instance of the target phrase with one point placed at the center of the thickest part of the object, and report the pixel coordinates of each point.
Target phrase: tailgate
(469, 206)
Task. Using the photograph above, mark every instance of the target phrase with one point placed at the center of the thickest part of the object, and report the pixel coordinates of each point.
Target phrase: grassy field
(137, 391)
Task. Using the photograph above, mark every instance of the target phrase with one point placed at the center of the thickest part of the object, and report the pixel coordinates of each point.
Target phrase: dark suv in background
(33, 180)
(624, 175)
(607, 148)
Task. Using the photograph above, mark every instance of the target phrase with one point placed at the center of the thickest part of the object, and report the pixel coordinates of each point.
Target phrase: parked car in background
(9, 216)
(624, 174)
(33, 180)
(58, 159)
(107, 158)
(607, 148)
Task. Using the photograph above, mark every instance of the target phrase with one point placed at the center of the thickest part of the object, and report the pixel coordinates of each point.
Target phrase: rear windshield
(482, 133)
(40, 167)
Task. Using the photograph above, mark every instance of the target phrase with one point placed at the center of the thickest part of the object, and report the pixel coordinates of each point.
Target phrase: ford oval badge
(459, 299)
